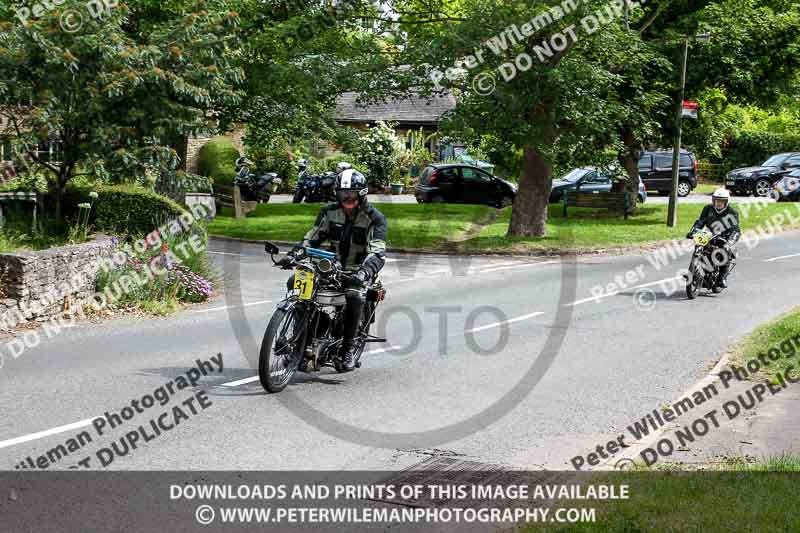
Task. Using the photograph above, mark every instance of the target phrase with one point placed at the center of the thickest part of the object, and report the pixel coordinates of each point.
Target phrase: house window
(50, 151)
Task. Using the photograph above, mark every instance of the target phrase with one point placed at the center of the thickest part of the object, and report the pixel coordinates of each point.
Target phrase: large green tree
(109, 95)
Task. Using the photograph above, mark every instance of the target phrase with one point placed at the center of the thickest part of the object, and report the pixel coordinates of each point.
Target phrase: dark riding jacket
(359, 243)
(724, 224)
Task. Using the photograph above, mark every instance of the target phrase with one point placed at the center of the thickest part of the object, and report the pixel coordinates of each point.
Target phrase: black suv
(463, 184)
(655, 169)
(760, 180)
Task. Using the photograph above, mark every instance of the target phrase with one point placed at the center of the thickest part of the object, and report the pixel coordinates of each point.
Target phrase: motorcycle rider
(723, 221)
(357, 232)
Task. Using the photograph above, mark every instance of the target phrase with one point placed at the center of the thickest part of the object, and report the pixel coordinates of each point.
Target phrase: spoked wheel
(280, 349)
(693, 284)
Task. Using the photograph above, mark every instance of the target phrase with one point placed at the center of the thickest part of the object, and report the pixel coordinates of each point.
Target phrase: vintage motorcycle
(704, 265)
(305, 331)
(255, 188)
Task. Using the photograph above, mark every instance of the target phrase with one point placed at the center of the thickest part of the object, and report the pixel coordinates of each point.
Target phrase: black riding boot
(352, 317)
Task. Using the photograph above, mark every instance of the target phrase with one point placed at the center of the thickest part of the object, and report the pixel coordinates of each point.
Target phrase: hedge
(751, 148)
(123, 208)
(217, 160)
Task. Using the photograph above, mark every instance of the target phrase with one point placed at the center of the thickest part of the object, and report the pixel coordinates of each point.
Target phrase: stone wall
(48, 282)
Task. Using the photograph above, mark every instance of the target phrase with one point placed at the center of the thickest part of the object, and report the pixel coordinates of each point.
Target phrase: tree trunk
(630, 160)
(529, 217)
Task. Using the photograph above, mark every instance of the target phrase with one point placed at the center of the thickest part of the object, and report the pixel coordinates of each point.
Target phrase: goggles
(347, 196)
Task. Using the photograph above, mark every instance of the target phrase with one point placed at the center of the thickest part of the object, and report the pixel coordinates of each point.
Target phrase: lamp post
(672, 208)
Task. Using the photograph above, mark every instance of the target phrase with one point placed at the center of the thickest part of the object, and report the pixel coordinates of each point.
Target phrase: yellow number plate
(304, 284)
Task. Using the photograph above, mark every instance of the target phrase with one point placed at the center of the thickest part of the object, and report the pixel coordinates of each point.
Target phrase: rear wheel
(684, 188)
(280, 350)
(298, 197)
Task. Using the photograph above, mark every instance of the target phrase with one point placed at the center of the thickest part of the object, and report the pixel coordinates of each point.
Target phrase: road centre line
(46, 433)
(506, 322)
(771, 259)
(601, 296)
(224, 307)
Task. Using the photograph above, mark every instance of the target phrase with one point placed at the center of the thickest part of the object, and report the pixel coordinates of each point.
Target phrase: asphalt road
(613, 357)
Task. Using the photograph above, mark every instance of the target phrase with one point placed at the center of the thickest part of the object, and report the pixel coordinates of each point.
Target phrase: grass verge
(432, 226)
(782, 334)
(596, 229)
(742, 497)
(411, 226)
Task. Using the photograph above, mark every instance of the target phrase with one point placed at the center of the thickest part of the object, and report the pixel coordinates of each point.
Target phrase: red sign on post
(689, 109)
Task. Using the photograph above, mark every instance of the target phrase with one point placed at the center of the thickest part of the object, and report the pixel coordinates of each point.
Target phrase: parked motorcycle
(305, 331)
(255, 188)
(704, 265)
(314, 188)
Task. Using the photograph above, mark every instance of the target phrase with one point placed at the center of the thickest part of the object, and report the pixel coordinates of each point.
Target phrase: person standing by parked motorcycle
(357, 231)
(723, 222)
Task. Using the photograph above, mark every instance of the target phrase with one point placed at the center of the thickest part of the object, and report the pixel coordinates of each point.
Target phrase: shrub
(749, 148)
(217, 160)
(329, 163)
(377, 152)
(276, 157)
(123, 208)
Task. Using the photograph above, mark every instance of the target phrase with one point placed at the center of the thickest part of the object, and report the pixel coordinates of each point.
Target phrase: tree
(111, 97)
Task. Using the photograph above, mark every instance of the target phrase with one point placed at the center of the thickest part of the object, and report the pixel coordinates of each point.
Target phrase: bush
(329, 163)
(377, 151)
(276, 157)
(123, 208)
(749, 148)
(217, 160)
(194, 182)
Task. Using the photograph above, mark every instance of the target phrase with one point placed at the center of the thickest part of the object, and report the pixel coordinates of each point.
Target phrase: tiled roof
(414, 109)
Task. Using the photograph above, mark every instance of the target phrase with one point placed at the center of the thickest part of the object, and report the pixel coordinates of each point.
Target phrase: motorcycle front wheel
(693, 284)
(298, 197)
(280, 350)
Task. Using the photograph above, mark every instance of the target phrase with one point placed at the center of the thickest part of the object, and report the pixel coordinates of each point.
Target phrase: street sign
(689, 109)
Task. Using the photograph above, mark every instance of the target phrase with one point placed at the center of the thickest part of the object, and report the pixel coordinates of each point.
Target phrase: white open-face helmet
(351, 188)
(721, 195)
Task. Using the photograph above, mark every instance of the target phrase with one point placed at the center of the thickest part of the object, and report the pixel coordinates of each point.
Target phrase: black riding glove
(286, 262)
(359, 279)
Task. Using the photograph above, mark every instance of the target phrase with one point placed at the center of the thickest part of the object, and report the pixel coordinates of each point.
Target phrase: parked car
(463, 184)
(760, 180)
(655, 169)
(588, 179)
(787, 189)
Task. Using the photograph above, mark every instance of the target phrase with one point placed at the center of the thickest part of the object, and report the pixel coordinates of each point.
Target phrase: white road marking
(515, 265)
(224, 307)
(222, 253)
(606, 295)
(46, 433)
(771, 259)
(505, 322)
(245, 381)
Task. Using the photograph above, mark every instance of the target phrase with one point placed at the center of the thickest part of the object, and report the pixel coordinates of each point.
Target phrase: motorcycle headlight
(325, 266)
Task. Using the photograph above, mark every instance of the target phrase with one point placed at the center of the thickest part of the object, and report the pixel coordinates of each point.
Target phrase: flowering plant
(377, 151)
